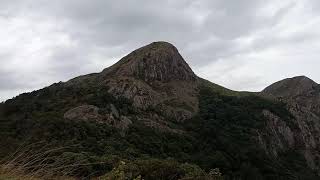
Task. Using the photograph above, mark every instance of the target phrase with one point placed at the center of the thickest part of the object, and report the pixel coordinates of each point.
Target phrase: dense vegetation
(221, 136)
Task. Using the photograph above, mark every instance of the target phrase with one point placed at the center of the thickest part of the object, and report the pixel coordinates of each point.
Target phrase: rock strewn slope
(302, 98)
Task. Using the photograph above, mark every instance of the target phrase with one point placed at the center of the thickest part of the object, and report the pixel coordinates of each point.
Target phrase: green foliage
(192, 171)
(221, 136)
(227, 125)
(152, 169)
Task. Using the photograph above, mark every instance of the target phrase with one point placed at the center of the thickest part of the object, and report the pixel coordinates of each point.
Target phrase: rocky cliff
(157, 80)
(301, 96)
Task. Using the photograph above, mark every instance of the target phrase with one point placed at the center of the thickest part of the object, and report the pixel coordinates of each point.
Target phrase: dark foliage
(221, 136)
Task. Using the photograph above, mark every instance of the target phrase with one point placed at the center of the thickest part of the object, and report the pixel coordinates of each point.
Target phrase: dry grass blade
(38, 161)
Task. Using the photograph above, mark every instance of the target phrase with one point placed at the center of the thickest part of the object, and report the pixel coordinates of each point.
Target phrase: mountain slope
(302, 98)
(154, 77)
(149, 107)
(292, 87)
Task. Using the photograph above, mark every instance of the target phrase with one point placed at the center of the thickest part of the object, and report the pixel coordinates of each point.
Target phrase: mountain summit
(299, 85)
(152, 77)
(158, 61)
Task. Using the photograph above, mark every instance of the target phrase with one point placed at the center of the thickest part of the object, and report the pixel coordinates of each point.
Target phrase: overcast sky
(240, 44)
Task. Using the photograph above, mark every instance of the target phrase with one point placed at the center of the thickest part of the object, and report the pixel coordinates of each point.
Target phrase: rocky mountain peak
(291, 87)
(158, 61)
(301, 96)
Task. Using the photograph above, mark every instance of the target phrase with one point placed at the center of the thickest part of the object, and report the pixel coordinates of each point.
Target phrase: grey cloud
(117, 22)
(204, 31)
(10, 81)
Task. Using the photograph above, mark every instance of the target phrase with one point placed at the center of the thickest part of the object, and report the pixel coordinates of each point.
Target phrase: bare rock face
(158, 61)
(92, 113)
(278, 135)
(156, 79)
(302, 98)
(292, 87)
(84, 112)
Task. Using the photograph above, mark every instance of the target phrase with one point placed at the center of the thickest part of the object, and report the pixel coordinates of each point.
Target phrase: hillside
(301, 96)
(149, 116)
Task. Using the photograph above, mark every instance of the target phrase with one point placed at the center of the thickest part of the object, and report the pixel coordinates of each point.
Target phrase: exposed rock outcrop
(278, 136)
(158, 61)
(93, 113)
(155, 78)
(292, 87)
(302, 98)
(84, 112)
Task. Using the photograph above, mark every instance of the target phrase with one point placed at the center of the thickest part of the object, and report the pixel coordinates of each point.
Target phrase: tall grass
(38, 161)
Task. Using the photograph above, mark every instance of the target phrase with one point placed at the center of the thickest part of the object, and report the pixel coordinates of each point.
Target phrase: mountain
(149, 116)
(302, 98)
(292, 87)
(154, 78)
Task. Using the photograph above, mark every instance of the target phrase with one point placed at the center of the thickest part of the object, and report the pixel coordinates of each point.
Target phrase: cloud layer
(243, 45)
